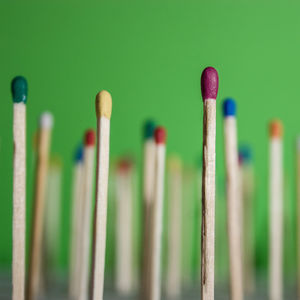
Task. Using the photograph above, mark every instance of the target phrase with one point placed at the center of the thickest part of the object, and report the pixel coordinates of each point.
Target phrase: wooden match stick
(157, 215)
(276, 211)
(173, 288)
(233, 200)
(35, 259)
(148, 186)
(76, 224)
(103, 112)
(209, 88)
(86, 215)
(298, 214)
(124, 241)
(19, 93)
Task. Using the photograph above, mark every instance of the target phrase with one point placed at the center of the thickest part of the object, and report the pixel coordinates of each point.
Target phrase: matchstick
(276, 211)
(124, 238)
(76, 224)
(148, 186)
(19, 93)
(103, 112)
(233, 200)
(209, 88)
(86, 215)
(35, 259)
(173, 281)
(157, 215)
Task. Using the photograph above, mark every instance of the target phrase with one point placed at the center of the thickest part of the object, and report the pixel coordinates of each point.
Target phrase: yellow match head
(174, 163)
(103, 104)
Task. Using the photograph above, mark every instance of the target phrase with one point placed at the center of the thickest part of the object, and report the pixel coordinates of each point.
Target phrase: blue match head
(78, 157)
(229, 107)
(149, 129)
(19, 89)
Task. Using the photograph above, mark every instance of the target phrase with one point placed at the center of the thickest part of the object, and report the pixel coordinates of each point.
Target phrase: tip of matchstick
(103, 104)
(124, 165)
(246, 153)
(175, 163)
(209, 83)
(46, 120)
(89, 138)
(160, 135)
(276, 129)
(78, 157)
(19, 89)
(229, 107)
(149, 129)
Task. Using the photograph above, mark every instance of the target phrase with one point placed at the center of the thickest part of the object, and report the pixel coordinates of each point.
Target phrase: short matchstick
(19, 93)
(233, 200)
(86, 215)
(35, 260)
(103, 113)
(148, 186)
(157, 215)
(209, 88)
(276, 211)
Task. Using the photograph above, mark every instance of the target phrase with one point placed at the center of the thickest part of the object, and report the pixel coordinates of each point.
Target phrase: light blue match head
(229, 107)
(149, 129)
(19, 89)
(78, 157)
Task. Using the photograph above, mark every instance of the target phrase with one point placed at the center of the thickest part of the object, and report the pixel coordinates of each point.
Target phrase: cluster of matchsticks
(86, 276)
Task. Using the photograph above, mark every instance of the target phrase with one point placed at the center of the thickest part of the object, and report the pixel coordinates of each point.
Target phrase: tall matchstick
(148, 186)
(157, 215)
(209, 88)
(124, 232)
(276, 211)
(103, 113)
(19, 93)
(233, 200)
(76, 224)
(86, 215)
(35, 260)
(173, 280)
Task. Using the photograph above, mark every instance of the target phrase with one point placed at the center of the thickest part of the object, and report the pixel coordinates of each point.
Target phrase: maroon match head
(124, 165)
(160, 135)
(209, 83)
(89, 138)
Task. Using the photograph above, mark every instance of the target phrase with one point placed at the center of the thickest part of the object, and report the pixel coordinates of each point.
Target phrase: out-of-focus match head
(209, 83)
(246, 152)
(46, 120)
(78, 157)
(174, 163)
(103, 104)
(124, 165)
(160, 135)
(276, 129)
(19, 89)
(149, 129)
(229, 107)
(89, 137)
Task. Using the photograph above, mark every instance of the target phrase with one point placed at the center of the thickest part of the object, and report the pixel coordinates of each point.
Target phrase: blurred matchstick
(276, 211)
(35, 259)
(19, 93)
(103, 112)
(233, 200)
(209, 88)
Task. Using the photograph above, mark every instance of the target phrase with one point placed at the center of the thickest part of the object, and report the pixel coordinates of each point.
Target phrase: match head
(209, 83)
(229, 107)
(246, 153)
(160, 135)
(19, 89)
(46, 120)
(175, 163)
(149, 129)
(89, 138)
(103, 104)
(78, 157)
(276, 129)
(124, 165)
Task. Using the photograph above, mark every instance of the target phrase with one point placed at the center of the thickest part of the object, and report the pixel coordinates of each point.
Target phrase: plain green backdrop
(150, 56)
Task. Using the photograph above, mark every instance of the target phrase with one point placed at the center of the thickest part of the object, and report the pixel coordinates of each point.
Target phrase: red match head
(209, 83)
(276, 129)
(124, 165)
(160, 135)
(89, 138)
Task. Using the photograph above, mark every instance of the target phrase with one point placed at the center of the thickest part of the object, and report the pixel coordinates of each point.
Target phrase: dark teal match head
(229, 107)
(149, 129)
(78, 157)
(246, 153)
(19, 89)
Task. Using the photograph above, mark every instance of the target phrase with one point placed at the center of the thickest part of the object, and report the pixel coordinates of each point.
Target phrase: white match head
(46, 120)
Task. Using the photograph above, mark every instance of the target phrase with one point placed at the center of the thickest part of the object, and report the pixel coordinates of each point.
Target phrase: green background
(150, 57)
